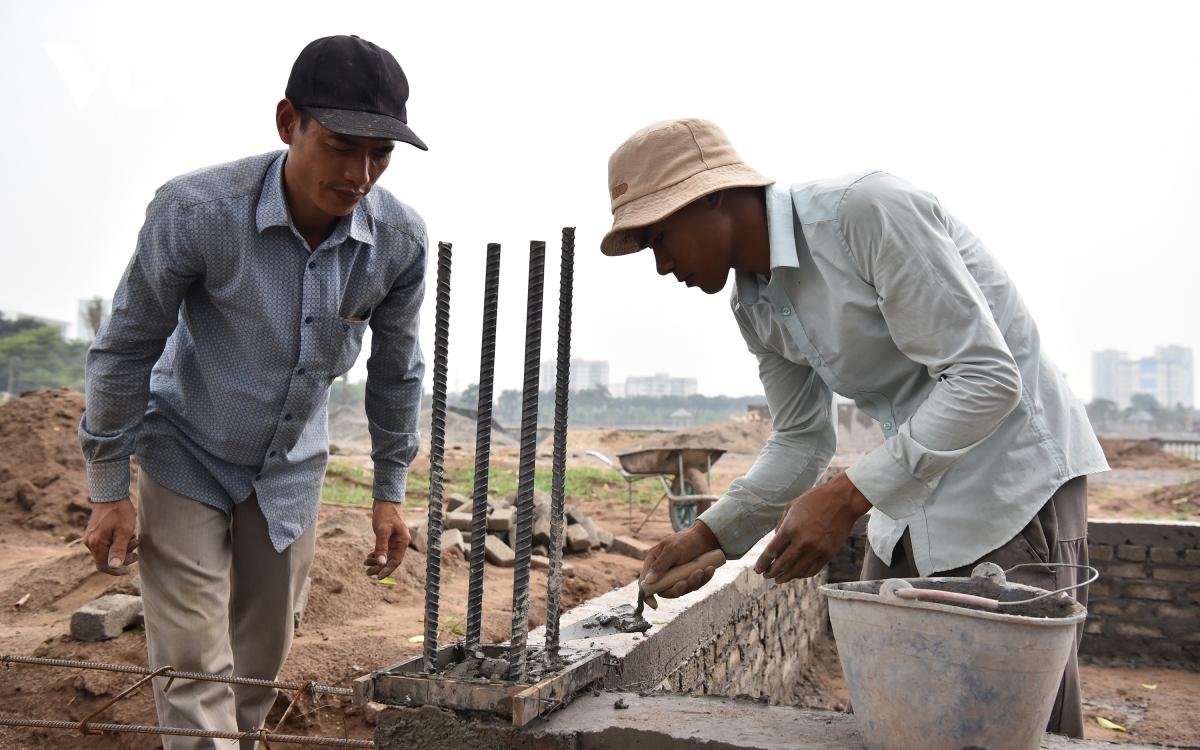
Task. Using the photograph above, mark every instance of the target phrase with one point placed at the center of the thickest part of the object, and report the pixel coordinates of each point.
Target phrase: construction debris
(106, 617)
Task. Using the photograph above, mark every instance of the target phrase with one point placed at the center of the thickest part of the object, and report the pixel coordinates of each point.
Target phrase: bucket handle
(899, 589)
(1095, 577)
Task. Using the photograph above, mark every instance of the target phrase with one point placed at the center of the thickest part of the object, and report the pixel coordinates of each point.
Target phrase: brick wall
(1146, 605)
(764, 647)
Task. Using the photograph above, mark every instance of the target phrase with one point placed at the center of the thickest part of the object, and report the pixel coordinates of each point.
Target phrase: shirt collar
(273, 211)
(781, 229)
(781, 234)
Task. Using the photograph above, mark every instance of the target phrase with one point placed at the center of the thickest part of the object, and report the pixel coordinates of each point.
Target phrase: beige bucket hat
(662, 168)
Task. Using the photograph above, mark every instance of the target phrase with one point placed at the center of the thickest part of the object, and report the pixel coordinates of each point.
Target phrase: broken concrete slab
(502, 519)
(593, 532)
(301, 604)
(577, 537)
(456, 501)
(453, 539)
(630, 547)
(574, 515)
(106, 617)
(418, 534)
(498, 553)
(460, 520)
(606, 536)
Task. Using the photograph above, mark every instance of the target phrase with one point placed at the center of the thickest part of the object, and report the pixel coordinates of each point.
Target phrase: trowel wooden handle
(714, 558)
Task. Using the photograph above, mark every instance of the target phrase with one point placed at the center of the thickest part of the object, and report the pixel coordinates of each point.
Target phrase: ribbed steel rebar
(559, 479)
(483, 446)
(529, 415)
(261, 735)
(171, 674)
(437, 456)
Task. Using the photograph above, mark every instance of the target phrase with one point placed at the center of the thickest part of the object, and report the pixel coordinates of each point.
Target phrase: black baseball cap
(352, 87)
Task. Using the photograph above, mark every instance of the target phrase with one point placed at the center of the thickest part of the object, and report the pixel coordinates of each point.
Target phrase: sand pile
(349, 432)
(43, 484)
(1142, 454)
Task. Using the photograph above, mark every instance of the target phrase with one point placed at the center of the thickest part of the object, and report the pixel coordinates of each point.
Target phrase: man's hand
(391, 539)
(109, 537)
(813, 528)
(678, 549)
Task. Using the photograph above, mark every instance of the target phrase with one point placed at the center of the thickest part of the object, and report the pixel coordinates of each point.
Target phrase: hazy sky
(1064, 134)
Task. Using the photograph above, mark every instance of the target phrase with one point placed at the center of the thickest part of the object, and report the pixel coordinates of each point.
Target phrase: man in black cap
(248, 295)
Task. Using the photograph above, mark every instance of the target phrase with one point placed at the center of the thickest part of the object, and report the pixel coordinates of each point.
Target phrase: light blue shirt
(880, 295)
(227, 331)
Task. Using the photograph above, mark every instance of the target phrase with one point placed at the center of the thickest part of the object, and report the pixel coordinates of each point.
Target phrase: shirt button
(301, 371)
(287, 417)
(272, 454)
(786, 311)
(308, 319)
(887, 425)
(312, 264)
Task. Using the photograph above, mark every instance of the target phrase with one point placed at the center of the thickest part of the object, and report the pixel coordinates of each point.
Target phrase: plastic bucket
(931, 675)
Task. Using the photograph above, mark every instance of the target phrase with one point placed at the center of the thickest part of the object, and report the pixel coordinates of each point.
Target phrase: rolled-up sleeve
(938, 317)
(145, 311)
(395, 372)
(795, 456)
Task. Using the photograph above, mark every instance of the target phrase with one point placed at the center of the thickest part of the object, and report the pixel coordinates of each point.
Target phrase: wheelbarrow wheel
(685, 512)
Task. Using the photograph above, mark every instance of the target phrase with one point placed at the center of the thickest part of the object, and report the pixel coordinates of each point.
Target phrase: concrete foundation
(646, 722)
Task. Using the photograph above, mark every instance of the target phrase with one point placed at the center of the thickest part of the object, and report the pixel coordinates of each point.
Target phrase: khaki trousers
(218, 598)
(1057, 534)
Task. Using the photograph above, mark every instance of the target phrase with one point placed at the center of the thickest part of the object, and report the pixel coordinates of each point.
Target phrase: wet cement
(620, 619)
(480, 666)
(1057, 606)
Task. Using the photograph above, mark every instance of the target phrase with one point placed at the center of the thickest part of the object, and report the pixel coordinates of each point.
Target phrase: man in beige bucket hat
(865, 286)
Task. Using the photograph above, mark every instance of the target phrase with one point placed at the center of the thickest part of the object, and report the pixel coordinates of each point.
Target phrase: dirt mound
(349, 431)
(43, 483)
(733, 437)
(341, 591)
(1142, 454)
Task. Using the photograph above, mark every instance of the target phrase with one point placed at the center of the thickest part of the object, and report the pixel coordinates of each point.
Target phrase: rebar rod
(437, 457)
(562, 379)
(172, 674)
(261, 735)
(525, 478)
(483, 446)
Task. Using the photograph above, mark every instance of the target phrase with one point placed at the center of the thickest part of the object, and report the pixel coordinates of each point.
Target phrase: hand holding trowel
(646, 591)
(626, 619)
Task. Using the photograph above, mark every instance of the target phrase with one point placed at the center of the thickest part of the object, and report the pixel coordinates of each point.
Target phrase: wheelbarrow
(685, 473)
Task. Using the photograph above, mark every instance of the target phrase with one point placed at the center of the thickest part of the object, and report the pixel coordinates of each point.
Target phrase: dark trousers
(1057, 534)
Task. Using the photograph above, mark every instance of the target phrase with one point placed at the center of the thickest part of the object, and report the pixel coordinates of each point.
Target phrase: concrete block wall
(1146, 605)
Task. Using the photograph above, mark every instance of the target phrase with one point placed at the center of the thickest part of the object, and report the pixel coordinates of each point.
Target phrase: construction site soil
(354, 624)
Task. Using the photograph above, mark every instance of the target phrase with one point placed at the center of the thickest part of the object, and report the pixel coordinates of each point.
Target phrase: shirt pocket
(341, 344)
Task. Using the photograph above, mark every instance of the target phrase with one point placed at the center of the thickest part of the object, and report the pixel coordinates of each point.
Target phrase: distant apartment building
(585, 374)
(1168, 376)
(659, 384)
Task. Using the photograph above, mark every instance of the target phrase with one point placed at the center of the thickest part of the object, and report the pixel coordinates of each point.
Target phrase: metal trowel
(627, 619)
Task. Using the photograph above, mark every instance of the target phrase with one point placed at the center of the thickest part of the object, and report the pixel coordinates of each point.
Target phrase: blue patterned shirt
(227, 332)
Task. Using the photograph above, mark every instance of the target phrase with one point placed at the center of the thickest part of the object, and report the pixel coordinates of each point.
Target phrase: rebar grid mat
(558, 481)
(437, 453)
(266, 736)
(172, 674)
(529, 415)
(483, 445)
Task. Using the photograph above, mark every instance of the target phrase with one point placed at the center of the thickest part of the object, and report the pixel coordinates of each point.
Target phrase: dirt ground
(354, 624)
